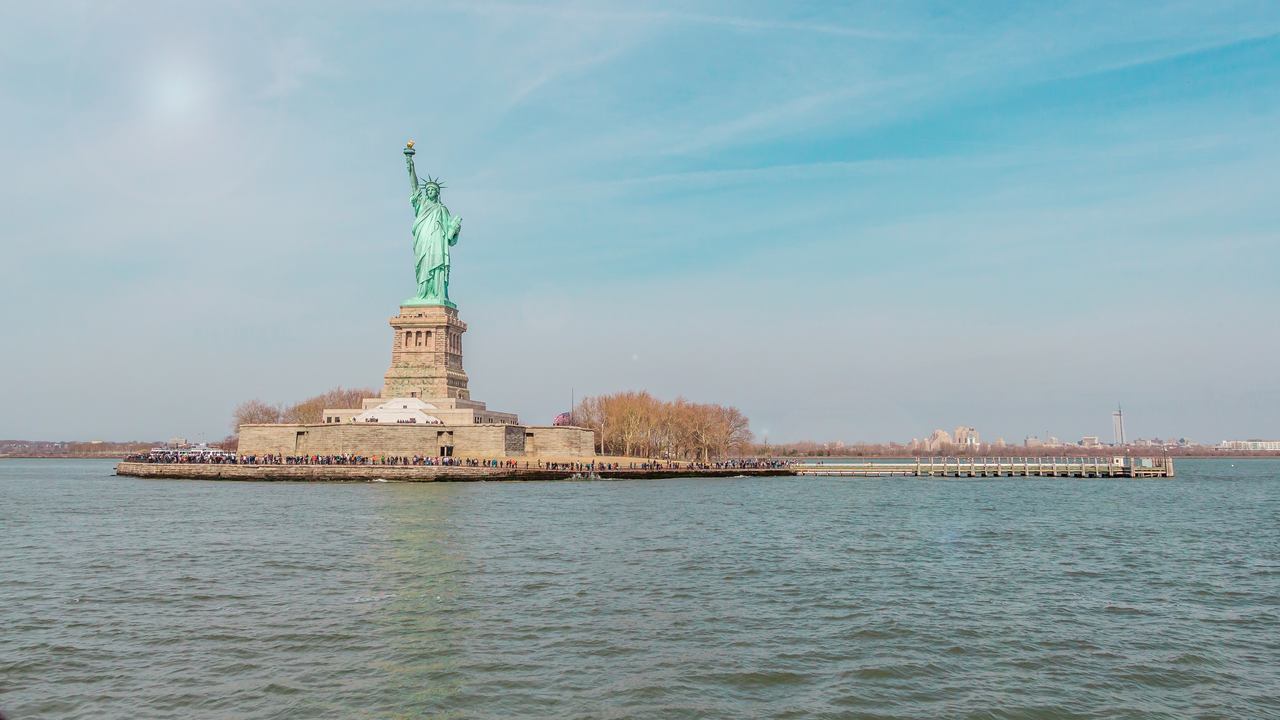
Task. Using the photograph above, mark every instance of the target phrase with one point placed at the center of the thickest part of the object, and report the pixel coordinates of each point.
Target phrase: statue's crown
(432, 182)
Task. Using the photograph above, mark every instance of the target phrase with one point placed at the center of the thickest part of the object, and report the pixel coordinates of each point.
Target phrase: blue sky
(855, 222)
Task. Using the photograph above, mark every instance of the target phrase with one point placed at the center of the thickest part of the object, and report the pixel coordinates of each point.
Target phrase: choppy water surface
(817, 597)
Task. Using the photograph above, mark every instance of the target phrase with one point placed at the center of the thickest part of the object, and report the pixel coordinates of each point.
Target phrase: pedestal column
(426, 354)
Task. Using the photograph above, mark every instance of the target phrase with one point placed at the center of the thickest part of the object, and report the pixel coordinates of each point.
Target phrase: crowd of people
(592, 466)
(343, 459)
(183, 458)
(228, 458)
(734, 464)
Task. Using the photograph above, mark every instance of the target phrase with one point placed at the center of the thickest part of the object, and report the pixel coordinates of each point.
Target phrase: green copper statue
(434, 232)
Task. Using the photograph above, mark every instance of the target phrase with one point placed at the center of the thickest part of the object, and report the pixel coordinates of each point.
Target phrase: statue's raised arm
(408, 160)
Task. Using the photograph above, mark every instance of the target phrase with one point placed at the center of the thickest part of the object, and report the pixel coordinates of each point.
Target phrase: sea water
(706, 598)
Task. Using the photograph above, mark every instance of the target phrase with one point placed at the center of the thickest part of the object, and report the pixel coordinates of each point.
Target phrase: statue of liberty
(434, 232)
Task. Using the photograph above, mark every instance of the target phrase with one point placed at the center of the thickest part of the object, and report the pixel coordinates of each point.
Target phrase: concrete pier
(1078, 467)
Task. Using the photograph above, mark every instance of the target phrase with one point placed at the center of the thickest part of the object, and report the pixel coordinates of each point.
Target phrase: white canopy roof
(400, 410)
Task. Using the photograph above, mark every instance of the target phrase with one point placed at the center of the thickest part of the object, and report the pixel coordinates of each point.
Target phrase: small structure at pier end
(425, 408)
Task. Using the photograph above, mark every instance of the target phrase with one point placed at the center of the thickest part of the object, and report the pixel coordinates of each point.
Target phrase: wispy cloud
(629, 13)
(801, 27)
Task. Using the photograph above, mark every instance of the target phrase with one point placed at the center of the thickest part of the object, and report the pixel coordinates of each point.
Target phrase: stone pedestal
(426, 357)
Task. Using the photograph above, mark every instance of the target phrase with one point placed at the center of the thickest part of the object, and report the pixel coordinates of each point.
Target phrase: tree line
(636, 424)
(311, 410)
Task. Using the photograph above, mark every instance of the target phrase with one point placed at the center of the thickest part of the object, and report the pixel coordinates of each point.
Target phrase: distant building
(938, 440)
(1251, 445)
(1090, 441)
(1117, 426)
(1000, 442)
(967, 436)
(1033, 442)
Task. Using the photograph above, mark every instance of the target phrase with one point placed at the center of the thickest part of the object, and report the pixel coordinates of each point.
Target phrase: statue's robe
(434, 231)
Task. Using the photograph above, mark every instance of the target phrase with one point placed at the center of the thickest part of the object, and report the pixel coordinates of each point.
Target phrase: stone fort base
(464, 441)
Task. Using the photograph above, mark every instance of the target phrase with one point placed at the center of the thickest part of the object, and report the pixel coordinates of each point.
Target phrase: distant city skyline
(971, 438)
(850, 222)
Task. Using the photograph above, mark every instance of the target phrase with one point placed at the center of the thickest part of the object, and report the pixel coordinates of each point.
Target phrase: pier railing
(1078, 467)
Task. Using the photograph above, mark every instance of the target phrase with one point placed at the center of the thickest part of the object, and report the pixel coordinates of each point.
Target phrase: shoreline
(935, 468)
(785, 458)
(407, 473)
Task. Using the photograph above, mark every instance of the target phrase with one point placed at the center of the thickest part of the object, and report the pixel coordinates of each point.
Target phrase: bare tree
(308, 411)
(638, 424)
(312, 409)
(254, 412)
